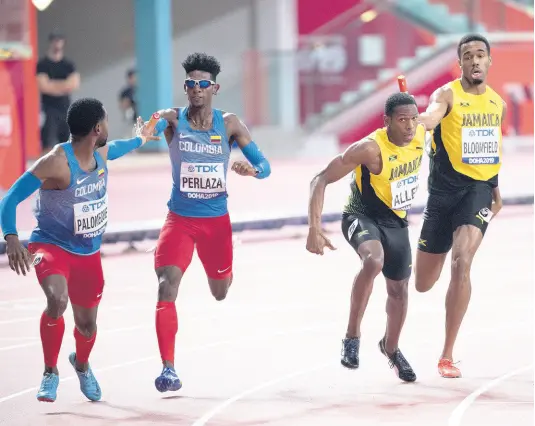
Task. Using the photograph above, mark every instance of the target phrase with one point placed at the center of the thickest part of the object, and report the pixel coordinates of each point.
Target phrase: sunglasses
(203, 84)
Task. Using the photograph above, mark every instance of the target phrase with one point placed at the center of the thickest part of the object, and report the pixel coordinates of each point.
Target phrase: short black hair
(202, 62)
(131, 72)
(398, 99)
(472, 37)
(83, 115)
(56, 34)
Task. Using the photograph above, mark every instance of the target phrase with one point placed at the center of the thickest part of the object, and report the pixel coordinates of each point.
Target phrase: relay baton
(151, 125)
(402, 83)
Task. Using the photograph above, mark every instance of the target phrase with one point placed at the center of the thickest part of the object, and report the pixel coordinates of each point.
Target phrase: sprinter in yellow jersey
(466, 116)
(386, 166)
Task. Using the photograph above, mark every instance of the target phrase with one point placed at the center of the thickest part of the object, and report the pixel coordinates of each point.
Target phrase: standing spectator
(57, 78)
(127, 101)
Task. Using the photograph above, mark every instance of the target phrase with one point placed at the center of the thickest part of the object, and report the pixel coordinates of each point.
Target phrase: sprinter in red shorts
(199, 139)
(72, 214)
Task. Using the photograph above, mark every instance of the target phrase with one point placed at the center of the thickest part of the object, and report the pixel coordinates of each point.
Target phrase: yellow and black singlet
(386, 197)
(467, 144)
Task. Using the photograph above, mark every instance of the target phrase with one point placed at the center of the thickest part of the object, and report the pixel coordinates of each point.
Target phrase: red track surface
(269, 354)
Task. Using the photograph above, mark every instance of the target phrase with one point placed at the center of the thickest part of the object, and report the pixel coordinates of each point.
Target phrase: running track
(269, 354)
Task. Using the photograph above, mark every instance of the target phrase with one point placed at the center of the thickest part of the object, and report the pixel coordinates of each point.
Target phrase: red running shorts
(84, 275)
(212, 235)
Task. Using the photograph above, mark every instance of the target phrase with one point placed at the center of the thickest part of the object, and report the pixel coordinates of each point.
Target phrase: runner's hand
(141, 130)
(19, 257)
(317, 241)
(243, 168)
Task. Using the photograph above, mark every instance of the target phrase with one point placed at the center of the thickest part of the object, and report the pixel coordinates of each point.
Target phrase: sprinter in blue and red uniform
(72, 214)
(199, 139)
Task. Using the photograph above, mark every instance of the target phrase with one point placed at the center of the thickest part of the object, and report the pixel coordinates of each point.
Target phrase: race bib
(480, 145)
(202, 178)
(403, 192)
(91, 217)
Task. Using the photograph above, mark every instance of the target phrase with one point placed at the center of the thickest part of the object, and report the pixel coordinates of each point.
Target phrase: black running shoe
(397, 361)
(350, 352)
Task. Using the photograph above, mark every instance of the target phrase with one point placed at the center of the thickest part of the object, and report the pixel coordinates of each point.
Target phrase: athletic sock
(52, 330)
(84, 346)
(166, 329)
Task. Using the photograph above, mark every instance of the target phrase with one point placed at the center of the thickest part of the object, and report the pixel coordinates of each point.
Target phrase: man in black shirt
(56, 79)
(127, 97)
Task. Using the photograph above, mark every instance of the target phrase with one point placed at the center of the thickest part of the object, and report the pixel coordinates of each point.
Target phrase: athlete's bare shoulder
(236, 129)
(170, 115)
(444, 94)
(52, 169)
(365, 151)
(440, 104)
(231, 119)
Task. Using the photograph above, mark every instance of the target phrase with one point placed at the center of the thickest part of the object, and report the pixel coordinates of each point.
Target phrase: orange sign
(11, 160)
(19, 98)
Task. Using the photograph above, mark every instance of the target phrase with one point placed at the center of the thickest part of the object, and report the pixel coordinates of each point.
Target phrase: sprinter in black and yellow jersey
(385, 166)
(466, 115)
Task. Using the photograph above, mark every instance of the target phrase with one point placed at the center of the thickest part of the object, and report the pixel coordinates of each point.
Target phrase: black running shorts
(358, 228)
(445, 212)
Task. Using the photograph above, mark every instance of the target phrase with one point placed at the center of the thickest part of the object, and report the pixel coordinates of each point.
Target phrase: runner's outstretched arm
(439, 105)
(358, 153)
(117, 148)
(362, 152)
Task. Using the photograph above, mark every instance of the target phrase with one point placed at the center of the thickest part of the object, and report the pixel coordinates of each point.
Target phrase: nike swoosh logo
(99, 296)
(220, 271)
(51, 325)
(79, 181)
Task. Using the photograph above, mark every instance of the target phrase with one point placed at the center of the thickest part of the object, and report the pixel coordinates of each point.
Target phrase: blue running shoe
(49, 387)
(168, 380)
(88, 383)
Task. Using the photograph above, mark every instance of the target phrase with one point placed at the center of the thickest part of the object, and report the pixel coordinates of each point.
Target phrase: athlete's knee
(460, 266)
(168, 281)
(398, 290)
(372, 263)
(220, 287)
(56, 302)
(424, 283)
(423, 286)
(56, 306)
(87, 328)
(220, 294)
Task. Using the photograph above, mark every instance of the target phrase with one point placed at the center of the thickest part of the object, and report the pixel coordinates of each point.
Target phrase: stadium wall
(102, 45)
